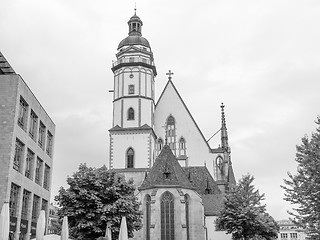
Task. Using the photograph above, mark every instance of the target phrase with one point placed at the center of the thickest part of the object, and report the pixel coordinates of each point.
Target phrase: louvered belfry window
(167, 216)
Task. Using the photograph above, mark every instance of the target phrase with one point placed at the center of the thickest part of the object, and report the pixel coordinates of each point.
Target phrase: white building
(158, 143)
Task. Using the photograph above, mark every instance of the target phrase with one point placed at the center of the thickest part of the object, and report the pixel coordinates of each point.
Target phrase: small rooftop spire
(135, 8)
(224, 133)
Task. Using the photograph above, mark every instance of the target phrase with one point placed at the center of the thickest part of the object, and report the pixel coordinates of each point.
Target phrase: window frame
(130, 158)
(18, 155)
(167, 216)
(130, 114)
(29, 164)
(23, 111)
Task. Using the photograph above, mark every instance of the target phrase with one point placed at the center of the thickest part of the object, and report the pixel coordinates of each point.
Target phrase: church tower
(223, 172)
(132, 137)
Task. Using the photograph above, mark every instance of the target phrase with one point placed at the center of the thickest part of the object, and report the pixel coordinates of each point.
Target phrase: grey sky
(261, 58)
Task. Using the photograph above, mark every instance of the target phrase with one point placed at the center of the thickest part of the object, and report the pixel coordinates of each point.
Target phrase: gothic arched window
(160, 144)
(131, 114)
(182, 146)
(187, 211)
(130, 158)
(167, 216)
(171, 132)
(148, 216)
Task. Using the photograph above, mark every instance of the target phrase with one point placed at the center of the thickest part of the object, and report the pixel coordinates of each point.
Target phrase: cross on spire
(169, 74)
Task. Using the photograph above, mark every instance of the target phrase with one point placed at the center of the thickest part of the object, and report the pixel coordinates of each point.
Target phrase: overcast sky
(261, 58)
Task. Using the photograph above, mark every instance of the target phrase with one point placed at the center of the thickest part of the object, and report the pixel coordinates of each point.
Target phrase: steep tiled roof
(231, 177)
(5, 67)
(213, 204)
(166, 172)
(202, 180)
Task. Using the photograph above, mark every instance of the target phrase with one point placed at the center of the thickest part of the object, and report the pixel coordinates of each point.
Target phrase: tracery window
(148, 216)
(130, 158)
(131, 114)
(182, 146)
(187, 206)
(167, 216)
(160, 144)
(171, 132)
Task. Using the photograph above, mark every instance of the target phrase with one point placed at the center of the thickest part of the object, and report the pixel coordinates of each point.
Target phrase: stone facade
(26, 153)
(159, 145)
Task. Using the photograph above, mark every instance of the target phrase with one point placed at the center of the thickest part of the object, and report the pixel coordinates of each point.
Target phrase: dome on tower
(134, 40)
(135, 36)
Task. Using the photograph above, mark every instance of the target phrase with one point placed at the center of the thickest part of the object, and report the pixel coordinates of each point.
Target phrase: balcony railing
(132, 60)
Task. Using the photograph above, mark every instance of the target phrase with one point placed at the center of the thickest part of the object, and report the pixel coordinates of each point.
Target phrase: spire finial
(223, 118)
(169, 74)
(135, 8)
(224, 133)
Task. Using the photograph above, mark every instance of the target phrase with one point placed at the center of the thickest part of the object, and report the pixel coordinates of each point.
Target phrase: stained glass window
(167, 216)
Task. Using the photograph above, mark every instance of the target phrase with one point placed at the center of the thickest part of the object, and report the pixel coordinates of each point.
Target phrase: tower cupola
(135, 25)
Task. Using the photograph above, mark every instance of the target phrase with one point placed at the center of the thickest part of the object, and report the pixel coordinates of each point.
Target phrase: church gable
(170, 105)
(166, 171)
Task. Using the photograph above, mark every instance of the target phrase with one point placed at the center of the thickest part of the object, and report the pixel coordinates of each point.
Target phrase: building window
(131, 89)
(130, 114)
(160, 144)
(44, 205)
(187, 205)
(29, 164)
(42, 132)
(294, 235)
(148, 216)
(171, 132)
(49, 143)
(25, 204)
(33, 125)
(131, 59)
(283, 235)
(18, 153)
(13, 204)
(167, 216)
(22, 118)
(130, 158)
(182, 146)
(35, 207)
(38, 171)
(46, 177)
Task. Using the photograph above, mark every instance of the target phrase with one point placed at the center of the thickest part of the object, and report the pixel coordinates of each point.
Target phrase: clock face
(219, 161)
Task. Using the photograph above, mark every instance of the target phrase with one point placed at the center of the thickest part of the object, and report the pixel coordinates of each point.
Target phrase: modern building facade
(26, 153)
(158, 144)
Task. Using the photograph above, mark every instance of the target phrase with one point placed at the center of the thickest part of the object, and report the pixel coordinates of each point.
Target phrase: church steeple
(224, 132)
(132, 135)
(135, 25)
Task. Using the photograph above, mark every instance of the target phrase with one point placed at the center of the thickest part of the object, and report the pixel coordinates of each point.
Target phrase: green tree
(244, 216)
(303, 188)
(95, 197)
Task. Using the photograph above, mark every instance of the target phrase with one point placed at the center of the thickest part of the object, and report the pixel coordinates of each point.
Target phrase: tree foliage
(244, 216)
(95, 197)
(303, 188)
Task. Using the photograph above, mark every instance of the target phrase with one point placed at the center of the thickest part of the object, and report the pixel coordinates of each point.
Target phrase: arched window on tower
(182, 147)
(130, 158)
(187, 212)
(130, 114)
(148, 216)
(167, 216)
(171, 132)
(159, 145)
